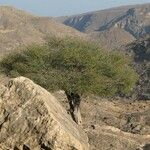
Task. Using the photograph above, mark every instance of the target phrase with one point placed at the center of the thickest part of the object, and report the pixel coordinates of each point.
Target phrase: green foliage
(73, 66)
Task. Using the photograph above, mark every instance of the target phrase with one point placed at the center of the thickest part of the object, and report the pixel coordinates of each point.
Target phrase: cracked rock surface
(32, 119)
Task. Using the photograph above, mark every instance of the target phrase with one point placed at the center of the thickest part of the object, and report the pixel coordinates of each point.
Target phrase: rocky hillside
(117, 28)
(140, 50)
(33, 119)
(113, 27)
(114, 124)
(18, 28)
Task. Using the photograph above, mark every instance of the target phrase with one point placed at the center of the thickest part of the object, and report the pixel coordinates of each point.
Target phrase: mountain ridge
(106, 9)
(19, 28)
(132, 19)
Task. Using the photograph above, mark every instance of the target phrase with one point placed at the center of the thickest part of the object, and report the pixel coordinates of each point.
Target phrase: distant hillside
(140, 51)
(113, 27)
(18, 28)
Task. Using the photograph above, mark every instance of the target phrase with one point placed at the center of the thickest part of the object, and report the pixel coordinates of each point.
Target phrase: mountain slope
(140, 51)
(131, 21)
(18, 28)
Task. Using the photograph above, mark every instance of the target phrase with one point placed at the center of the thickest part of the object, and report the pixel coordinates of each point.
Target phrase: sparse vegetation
(74, 66)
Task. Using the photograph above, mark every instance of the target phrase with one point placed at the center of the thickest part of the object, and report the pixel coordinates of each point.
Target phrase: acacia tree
(77, 67)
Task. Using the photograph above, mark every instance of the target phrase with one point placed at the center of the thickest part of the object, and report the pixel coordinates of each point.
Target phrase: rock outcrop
(32, 119)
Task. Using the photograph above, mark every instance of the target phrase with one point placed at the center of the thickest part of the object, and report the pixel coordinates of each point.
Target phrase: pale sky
(66, 7)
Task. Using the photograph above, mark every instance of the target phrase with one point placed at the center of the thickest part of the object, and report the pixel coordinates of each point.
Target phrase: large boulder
(32, 119)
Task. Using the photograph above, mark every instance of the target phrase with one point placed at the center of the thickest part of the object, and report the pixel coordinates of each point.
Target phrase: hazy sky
(66, 7)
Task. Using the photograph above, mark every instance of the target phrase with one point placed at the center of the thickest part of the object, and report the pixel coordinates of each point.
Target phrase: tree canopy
(74, 66)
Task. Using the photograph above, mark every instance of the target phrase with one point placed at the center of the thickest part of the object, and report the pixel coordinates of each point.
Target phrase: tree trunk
(74, 102)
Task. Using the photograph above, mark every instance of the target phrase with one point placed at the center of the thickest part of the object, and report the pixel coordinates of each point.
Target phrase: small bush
(73, 66)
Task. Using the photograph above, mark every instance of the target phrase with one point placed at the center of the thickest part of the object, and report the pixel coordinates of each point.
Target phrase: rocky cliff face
(133, 19)
(32, 119)
(113, 27)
